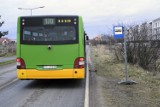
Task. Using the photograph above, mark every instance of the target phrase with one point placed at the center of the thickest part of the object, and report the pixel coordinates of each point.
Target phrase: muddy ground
(105, 90)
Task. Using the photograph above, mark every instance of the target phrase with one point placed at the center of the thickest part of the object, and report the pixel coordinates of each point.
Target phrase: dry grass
(105, 62)
(144, 94)
(7, 62)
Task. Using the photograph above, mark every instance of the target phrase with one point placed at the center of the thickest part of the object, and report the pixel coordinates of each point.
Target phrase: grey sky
(98, 15)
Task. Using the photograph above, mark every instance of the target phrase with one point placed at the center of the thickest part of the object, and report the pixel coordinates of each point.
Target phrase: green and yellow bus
(50, 47)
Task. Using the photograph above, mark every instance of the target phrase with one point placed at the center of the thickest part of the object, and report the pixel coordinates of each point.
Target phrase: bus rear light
(79, 62)
(20, 63)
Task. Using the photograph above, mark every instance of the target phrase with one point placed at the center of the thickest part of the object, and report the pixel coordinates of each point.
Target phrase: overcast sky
(99, 15)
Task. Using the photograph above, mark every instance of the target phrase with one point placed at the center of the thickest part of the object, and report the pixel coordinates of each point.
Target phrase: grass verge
(144, 94)
(10, 55)
(7, 62)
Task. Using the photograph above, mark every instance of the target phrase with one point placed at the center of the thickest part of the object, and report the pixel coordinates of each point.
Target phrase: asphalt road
(39, 93)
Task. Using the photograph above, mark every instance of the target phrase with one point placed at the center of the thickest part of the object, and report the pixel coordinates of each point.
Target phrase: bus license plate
(49, 67)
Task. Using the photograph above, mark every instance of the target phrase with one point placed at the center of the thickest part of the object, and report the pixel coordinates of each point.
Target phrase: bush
(141, 48)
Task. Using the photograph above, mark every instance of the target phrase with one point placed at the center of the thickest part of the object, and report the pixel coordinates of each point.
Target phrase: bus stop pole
(126, 81)
(125, 57)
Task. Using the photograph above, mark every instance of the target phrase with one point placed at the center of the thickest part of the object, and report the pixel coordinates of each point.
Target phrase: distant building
(149, 30)
(156, 28)
(144, 29)
(98, 38)
(4, 41)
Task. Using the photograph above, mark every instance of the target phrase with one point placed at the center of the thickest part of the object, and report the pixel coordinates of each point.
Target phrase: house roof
(156, 20)
(4, 39)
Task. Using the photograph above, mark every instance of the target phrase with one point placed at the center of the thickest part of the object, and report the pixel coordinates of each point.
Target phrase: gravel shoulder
(96, 97)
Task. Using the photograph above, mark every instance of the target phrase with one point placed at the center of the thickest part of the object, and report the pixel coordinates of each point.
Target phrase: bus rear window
(52, 34)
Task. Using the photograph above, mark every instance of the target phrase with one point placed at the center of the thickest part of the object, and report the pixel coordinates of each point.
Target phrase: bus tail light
(79, 62)
(20, 63)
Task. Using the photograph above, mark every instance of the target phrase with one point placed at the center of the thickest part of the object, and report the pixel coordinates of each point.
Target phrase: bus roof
(52, 16)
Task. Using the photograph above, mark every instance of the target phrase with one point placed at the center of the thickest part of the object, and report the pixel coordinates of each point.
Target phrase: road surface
(39, 93)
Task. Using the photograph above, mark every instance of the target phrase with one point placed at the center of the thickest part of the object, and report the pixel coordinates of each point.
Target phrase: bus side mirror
(87, 38)
(85, 35)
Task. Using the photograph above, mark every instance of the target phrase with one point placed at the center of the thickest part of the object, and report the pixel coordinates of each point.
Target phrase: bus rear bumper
(51, 74)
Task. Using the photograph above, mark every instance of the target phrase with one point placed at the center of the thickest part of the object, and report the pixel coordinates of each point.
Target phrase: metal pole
(31, 12)
(125, 57)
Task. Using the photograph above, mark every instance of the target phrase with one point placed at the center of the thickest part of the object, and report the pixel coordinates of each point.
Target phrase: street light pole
(31, 12)
(31, 9)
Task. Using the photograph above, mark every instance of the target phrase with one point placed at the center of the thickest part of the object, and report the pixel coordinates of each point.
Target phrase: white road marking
(86, 101)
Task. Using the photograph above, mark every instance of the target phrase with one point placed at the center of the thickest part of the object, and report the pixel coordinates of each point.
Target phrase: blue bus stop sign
(118, 32)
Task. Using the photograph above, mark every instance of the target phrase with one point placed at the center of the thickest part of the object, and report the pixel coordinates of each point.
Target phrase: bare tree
(141, 48)
(2, 33)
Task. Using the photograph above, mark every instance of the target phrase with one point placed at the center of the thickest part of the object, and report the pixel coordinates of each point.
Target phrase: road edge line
(86, 101)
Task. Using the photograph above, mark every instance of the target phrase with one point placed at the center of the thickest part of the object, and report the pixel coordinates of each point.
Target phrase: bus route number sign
(48, 21)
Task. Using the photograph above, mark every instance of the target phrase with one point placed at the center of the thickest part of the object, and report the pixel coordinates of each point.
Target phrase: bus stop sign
(118, 32)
